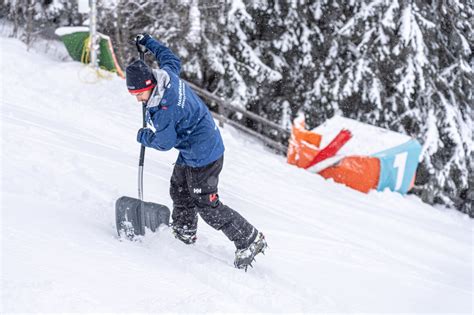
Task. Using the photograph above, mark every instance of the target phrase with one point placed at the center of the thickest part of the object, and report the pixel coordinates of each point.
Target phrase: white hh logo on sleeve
(197, 190)
(181, 94)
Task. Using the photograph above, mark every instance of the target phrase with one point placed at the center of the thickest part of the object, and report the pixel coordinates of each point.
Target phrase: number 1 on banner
(399, 164)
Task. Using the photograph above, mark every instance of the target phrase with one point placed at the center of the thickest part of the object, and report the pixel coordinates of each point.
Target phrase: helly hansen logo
(181, 94)
(197, 190)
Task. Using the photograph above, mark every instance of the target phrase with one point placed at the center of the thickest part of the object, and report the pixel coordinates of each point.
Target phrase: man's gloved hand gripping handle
(141, 40)
(144, 136)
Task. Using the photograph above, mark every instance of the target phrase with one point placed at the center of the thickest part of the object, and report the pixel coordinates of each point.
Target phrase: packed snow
(366, 139)
(70, 30)
(69, 151)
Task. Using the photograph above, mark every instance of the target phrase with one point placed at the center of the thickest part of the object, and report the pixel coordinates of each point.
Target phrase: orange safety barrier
(332, 148)
(303, 146)
(358, 172)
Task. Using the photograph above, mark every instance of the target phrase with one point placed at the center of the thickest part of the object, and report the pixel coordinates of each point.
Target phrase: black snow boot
(185, 235)
(244, 257)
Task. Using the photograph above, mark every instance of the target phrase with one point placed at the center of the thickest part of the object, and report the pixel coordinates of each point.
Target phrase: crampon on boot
(184, 235)
(245, 257)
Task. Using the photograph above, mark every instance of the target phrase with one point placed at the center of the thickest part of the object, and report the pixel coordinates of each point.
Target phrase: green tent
(76, 40)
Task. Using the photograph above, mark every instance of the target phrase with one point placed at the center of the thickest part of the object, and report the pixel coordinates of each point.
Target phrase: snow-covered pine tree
(404, 65)
(32, 19)
(251, 75)
(449, 160)
(287, 32)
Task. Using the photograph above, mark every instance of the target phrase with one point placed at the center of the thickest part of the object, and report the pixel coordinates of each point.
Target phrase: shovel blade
(132, 216)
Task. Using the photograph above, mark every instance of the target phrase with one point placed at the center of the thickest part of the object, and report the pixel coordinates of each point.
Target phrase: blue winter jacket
(180, 118)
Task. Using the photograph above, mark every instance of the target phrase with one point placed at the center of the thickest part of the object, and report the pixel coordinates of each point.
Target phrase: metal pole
(142, 158)
(93, 34)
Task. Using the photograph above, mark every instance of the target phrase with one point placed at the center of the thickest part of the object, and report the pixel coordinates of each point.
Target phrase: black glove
(141, 40)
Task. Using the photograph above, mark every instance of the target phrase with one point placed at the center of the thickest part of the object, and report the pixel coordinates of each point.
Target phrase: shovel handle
(141, 161)
(142, 150)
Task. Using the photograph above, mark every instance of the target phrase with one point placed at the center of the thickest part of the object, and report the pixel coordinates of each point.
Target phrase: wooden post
(221, 111)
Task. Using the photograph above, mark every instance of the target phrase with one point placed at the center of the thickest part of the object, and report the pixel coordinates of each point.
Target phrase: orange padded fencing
(358, 172)
(303, 146)
(332, 148)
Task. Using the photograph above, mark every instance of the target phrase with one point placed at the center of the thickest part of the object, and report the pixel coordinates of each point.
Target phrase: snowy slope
(69, 151)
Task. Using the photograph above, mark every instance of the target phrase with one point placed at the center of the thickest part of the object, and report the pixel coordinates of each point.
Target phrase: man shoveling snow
(181, 120)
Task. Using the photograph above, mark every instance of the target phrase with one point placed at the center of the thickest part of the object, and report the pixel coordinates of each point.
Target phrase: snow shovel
(132, 215)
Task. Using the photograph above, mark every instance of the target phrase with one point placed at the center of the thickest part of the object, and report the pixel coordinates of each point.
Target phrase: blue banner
(398, 166)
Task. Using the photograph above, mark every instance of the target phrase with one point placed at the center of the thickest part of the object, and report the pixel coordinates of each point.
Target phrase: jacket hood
(162, 83)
